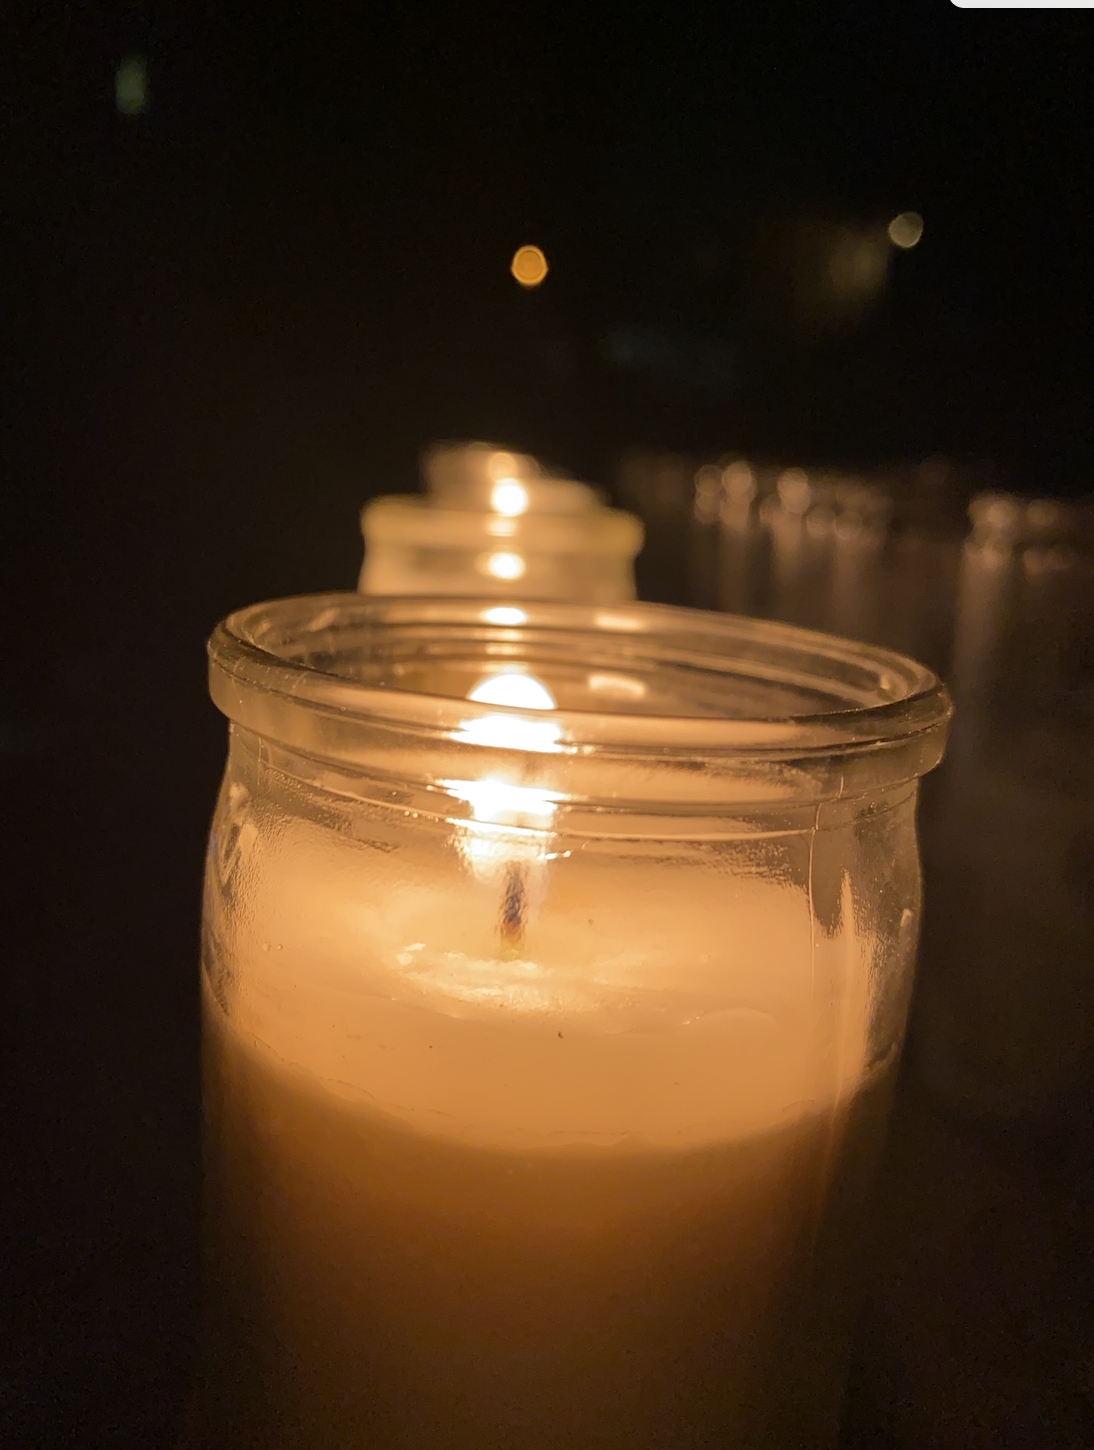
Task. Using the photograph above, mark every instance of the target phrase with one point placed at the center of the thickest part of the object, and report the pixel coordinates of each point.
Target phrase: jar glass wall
(555, 972)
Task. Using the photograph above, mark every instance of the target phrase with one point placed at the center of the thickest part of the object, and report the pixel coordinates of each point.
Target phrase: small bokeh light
(131, 85)
(529, 266)
(906, 229)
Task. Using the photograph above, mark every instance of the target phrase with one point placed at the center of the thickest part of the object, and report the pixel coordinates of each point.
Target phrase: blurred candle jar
(730, 556)
(800, 520)
(873, 557)
(555, 965)
(495, 523)
(919, 567)
(1004, 1017)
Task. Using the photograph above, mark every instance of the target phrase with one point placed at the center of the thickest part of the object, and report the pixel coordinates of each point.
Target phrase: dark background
(233, 317)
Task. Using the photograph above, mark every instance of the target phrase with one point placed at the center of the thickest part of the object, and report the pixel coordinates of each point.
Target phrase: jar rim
(281, 669)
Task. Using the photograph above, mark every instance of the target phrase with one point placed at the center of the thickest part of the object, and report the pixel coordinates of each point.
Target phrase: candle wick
(513, 905)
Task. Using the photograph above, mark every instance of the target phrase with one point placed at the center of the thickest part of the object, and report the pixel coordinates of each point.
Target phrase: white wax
(659, 1002)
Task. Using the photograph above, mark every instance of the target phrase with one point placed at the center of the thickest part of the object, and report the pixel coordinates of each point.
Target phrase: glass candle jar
(495, 522)
(555, 968)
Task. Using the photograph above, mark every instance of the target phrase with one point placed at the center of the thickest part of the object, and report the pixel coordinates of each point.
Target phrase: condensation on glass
(556, 962)
(499, 523)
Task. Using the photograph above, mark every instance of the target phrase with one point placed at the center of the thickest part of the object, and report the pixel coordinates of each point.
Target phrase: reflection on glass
(504, 566)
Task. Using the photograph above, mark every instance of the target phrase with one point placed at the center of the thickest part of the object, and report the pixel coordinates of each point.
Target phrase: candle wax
(465, 1199)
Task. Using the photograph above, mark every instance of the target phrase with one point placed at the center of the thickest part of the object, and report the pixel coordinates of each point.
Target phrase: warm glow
(518, 690)
(509, 497)
(521, 691)
(508, 836)
(906, 229)
(498, 802)
(620, 687)
(529, 266)
(505, 566)
(504, 614)
(857, 266)
(740, 482)
(502, 467)
(609, 619)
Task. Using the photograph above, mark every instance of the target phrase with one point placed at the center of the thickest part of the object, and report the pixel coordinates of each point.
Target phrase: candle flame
(504, 565)
(497, 802)
(519, 690)
(509, 497)
(508, 834)
(513, 687)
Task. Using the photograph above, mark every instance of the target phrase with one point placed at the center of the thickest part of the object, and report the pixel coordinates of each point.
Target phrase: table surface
(978, 1329)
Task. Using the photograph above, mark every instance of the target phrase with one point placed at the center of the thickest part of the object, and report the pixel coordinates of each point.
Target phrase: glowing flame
(496, 802)
(509, 497)
(510, 821)
(504, 566)
(520, 691)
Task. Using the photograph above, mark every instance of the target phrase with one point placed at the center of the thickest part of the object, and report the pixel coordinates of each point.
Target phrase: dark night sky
(301, 247)
(242, 312)
(234, 317)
